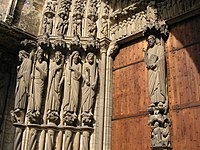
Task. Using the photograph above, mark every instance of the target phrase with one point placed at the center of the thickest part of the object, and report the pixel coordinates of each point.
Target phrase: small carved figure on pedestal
(22, 87)
(53, 91)
(156, 135)
(166, 135)
(38, 76)
(90, 79)
(71, 78)
(92, 27)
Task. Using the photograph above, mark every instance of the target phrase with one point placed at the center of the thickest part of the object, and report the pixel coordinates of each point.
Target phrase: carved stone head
(75, 57)
(156, 124)
(40, 54)
(151, 40)
(23, 54)
(58, 57)
(90, 58)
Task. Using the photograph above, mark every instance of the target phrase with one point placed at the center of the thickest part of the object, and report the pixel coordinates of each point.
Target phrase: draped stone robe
(90, 74)
(37, 86)
(155, 61)
(71, 86)
(22, 85)
(53, 95)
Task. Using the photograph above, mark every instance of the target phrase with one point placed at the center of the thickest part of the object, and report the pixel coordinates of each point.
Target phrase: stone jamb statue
(22, 87)
(71, 78)
(155, 61)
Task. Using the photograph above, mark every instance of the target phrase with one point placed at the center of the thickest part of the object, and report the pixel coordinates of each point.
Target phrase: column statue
(155, 61)
(53, 92)
(71, 78)
(22, 86)
(90, 78)
(38, 76)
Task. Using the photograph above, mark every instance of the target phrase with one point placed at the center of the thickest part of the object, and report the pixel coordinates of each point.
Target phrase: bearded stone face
(151, 41)
(40, 54)
(57, 57)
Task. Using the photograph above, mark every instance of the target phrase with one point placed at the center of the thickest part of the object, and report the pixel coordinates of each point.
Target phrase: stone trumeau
(57, 59)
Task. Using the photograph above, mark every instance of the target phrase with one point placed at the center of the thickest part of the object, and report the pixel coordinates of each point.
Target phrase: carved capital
(59, 43)
(113, 49)
(29, 44)
(104, 44)
(92, 45)
(44, 41)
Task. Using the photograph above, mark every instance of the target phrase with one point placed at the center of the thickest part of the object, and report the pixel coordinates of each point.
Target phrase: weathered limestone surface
(3, 9)
(58, 93)
(30, 17)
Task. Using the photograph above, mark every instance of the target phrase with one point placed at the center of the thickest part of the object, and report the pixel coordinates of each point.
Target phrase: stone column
(100, 122)
(113, 47)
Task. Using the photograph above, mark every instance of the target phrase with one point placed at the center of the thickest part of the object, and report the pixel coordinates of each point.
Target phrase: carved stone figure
(156, 135)
(53, 92)
(77, 17)
(124, 29)
(143, 20)
(155, 61)
(120, 30)
(71, 78)
(166, 135)
(62, 25)
(137, 22)
(79, 24)
(90, 79)
(92, 27)
(23, 80)
(50, 6)
(133, 29)
(48, 24)
(38, 75)
(105, 14)
(114, 32)
(104, 30)
(151, 12)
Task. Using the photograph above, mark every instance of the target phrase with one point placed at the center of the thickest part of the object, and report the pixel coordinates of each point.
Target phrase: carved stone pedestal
(161, 148)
